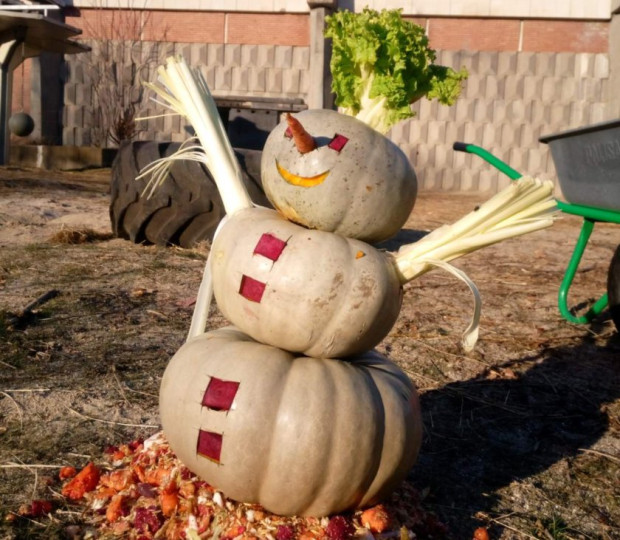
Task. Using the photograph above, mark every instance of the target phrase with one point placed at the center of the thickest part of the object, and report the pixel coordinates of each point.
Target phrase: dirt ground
(522, 435)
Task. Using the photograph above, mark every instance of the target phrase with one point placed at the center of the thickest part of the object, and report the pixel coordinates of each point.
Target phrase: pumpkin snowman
(290, 408)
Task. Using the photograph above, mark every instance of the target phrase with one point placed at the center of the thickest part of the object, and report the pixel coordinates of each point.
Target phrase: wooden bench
(260, 103)
(250, 119)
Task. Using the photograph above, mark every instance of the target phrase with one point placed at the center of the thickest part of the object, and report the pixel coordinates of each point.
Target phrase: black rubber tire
(184, 210)
(613, 288)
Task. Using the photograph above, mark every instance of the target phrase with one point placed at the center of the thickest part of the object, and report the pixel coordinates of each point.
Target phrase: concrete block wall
(229, 69)
(530, 75)
(509, 101)
(614, 62)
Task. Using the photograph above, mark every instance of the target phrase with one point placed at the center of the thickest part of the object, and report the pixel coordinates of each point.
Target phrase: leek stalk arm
(185, 91)
(525, 206)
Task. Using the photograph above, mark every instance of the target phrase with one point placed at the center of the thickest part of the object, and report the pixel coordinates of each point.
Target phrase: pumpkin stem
(302, 139)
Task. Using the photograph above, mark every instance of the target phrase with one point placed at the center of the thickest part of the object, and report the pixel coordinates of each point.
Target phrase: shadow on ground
(483, 434)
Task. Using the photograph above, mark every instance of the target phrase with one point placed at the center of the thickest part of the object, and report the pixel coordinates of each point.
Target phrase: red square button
(209, 445)
(252, 289)
(220, 394)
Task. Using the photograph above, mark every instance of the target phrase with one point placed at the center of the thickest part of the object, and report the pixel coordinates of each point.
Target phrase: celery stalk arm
(525, 206)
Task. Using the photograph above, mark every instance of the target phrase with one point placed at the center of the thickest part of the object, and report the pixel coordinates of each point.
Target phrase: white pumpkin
(356, 183)
(297, 435)
(302, 290)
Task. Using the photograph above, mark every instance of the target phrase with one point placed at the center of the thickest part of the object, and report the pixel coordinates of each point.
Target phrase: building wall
(551, 9)
(529, 76)
(614, 62)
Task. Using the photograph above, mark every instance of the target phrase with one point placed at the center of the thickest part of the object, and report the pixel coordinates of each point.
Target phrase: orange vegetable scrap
(481, 534)
(67, 472)
(187, 489)
(138, 470)
(234, 531)
(104, 493)
(376, 519)
(158, 477)
(169, 500)
(116, 508)
(118, 480)
(86, 480)
(311, 535)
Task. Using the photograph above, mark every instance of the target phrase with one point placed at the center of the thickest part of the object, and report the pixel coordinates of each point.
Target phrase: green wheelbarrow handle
(590, 217)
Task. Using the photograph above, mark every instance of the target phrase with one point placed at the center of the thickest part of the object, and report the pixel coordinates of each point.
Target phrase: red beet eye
(338, 142)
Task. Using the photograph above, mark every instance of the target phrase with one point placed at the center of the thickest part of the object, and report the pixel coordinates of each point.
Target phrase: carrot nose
(302, 139)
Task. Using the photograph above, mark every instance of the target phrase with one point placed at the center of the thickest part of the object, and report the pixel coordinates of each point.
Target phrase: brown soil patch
(522, 435)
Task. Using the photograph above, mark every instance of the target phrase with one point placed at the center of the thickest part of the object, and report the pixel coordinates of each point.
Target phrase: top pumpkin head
(355, 181)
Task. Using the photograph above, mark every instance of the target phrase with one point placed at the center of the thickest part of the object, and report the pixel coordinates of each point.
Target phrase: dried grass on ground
(522, 435)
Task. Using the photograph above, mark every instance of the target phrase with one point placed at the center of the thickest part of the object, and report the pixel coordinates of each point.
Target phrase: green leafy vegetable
(381, 64)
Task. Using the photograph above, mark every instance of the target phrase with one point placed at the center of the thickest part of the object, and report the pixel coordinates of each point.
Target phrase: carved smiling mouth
(301, 181)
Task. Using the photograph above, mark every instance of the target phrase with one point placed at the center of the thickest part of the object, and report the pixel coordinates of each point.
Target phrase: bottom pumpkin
(297, 435)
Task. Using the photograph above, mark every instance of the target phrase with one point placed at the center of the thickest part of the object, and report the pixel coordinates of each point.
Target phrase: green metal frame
(590, 216)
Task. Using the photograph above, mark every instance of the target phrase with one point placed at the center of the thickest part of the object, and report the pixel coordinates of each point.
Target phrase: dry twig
(124, 424)
(19, 409)
(602, 454)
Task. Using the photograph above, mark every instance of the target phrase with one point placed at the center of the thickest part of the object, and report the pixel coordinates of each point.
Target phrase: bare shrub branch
(120, 60)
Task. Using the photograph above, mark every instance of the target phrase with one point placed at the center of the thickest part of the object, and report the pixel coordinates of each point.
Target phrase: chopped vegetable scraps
(146, 492)
(377, 518)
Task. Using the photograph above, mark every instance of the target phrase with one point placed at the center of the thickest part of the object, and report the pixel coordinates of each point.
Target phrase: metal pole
(319, 93)
(8, 55)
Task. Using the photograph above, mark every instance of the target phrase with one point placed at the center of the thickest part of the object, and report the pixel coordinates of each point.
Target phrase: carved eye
(338, 142)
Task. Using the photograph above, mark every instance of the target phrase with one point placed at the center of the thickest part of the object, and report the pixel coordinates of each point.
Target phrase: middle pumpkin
(302, 290)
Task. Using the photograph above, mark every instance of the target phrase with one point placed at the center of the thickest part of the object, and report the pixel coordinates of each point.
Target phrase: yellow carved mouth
(301, 181)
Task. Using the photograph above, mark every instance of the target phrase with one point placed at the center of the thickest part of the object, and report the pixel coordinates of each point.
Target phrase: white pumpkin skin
(325, 296)
(370, 189)
(302, 436)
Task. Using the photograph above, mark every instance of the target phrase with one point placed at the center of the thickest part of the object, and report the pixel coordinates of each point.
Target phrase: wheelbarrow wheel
(184, 210)
(613, 288)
